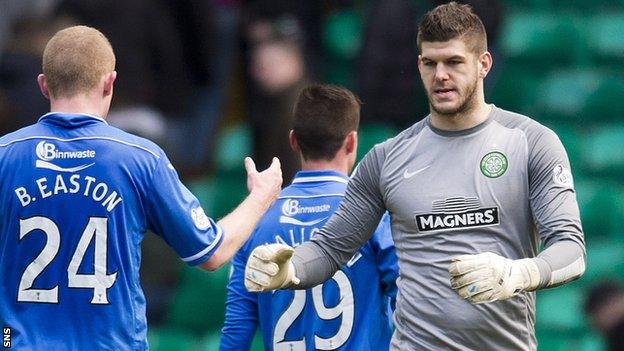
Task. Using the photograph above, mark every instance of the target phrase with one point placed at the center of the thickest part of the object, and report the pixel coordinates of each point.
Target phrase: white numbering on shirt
(344, 308)
(99, 281)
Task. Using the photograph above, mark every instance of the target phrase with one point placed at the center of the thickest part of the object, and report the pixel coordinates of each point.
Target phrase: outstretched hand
(269, 268)
(265, 186)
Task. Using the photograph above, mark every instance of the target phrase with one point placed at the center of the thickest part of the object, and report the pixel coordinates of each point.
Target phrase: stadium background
(184, 81)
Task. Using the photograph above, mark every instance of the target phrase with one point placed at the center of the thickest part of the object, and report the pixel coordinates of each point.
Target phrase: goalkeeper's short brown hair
(453, 21)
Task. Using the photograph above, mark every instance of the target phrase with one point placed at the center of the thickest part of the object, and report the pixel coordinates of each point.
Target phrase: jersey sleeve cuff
(208, 251)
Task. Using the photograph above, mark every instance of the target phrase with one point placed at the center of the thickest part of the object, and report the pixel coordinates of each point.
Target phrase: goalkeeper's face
(452, 76)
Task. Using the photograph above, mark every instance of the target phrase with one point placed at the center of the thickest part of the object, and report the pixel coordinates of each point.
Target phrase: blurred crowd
(604, 306)
(188, 67)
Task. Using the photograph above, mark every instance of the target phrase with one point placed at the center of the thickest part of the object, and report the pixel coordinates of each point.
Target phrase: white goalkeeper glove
(269, 268)
(488, 277)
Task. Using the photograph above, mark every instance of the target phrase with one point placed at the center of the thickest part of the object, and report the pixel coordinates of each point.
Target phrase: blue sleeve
(176, 215)
(387, 262)
(241, 308)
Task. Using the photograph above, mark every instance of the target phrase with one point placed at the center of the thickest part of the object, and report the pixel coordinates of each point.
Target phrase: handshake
(269, 268)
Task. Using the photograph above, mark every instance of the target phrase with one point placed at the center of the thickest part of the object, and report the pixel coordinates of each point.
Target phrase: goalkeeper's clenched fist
(488, 277)
(269, 268)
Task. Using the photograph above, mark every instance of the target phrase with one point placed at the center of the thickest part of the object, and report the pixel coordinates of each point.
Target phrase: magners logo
(457, 213)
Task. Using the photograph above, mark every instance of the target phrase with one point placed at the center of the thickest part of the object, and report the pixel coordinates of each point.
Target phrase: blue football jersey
(351, 311)
(78, 196)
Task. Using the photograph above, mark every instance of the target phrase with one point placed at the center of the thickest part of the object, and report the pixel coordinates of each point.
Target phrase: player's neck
(463, 120)
(336, 164)
(81, 103)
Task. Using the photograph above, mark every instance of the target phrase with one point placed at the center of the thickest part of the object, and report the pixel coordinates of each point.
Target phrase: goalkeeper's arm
(350, 227)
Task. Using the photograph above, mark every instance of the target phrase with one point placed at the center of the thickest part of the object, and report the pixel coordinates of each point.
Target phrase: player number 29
(344, 308)
(99, 281)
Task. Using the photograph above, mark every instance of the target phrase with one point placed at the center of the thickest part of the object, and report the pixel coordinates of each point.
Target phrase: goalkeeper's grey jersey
(501, 186)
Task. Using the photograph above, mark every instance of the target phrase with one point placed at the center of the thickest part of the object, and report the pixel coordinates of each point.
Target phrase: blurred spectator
(388, 71)
(147, 45)
(21, 102)
(209, 32)
(278, 72)
(176, 57)
(142, 120)
(308, 15)
(149, 60)
(605, 308)
(14, 10)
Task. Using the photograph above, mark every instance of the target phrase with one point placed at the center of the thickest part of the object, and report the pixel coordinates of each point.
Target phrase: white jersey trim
(82, 138)
(307, 196)
(290, 220)
(68, 113)
(320, 179)
(207, 249)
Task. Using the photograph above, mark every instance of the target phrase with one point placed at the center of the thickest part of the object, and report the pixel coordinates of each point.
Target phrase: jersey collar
(320, 176)
(70, 119)
(456, 133)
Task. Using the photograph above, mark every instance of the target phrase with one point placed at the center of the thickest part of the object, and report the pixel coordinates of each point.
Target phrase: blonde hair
(75, 59)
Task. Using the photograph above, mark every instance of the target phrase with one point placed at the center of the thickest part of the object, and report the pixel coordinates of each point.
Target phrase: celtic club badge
(493, 164)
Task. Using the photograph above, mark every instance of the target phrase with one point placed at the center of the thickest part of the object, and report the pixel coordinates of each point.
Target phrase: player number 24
(99, 281)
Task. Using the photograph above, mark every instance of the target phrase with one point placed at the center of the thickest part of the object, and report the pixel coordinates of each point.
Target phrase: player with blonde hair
(79, 196)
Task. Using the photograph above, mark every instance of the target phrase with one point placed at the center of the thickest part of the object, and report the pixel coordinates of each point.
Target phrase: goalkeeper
(472, 190)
